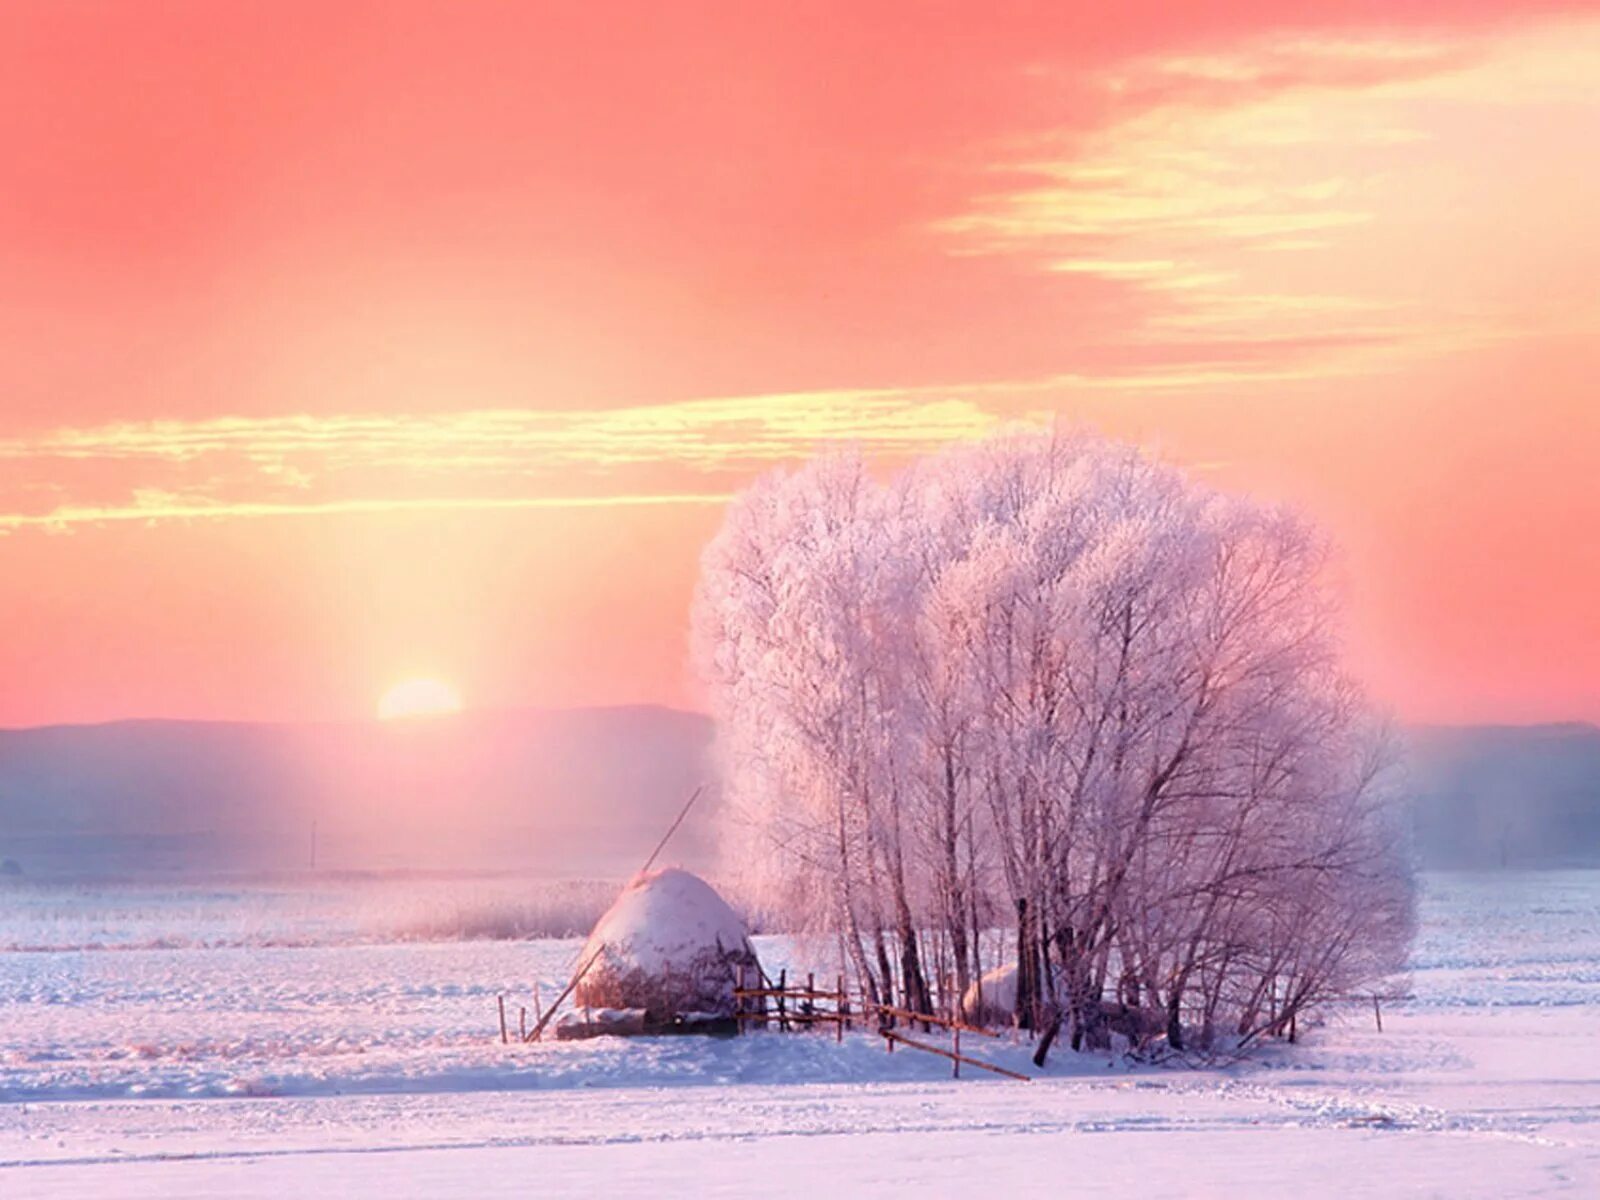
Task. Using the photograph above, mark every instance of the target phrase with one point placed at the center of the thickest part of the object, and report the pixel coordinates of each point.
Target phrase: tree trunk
(913, 982)
(955, 900)
(1047, 1041)
(1174, 1018)
(883, 965)
(1027, 984)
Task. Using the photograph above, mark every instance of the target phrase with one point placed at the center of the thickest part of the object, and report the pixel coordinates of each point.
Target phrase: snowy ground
(162, 1042)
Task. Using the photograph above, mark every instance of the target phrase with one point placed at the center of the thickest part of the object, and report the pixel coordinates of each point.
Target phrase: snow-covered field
(265, 1040)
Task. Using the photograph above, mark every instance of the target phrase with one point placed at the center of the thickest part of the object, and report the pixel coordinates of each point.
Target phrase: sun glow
(419, 698)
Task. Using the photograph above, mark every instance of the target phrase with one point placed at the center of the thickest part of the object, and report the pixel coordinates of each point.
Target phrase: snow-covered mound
(669, 945)
(992, 999)
(997, 1005)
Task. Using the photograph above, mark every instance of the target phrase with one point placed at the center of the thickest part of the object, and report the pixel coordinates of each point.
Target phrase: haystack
(669, 946)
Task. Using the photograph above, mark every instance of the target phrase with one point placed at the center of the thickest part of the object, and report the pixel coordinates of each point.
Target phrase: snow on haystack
(670, 946)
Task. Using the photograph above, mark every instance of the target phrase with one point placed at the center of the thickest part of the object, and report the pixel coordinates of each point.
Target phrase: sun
(419, 698)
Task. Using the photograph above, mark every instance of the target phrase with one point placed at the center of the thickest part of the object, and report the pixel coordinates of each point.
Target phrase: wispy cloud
(151, 505)
(701, 434)
(692, 453)
(1267, 196)
(229, 467)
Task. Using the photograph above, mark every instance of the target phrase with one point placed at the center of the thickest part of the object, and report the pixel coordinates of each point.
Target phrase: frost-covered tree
(1044, 683)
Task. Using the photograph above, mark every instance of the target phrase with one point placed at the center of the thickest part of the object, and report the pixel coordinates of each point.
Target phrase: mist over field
(584, 794)
(1521, 796)
(574, 794)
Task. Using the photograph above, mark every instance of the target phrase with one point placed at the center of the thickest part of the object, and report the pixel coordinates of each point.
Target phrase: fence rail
(905, 1014)
(891, 1038)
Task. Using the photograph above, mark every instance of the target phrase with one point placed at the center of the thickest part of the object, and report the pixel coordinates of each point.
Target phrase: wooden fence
(800, 1007)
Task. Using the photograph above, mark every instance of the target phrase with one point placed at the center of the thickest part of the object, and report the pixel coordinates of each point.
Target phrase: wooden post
(955, 1061)
(504, 1037)
(783, 1002)
(538, 1018)
(1377, 1013)
(522, 1022)
(842, 1007)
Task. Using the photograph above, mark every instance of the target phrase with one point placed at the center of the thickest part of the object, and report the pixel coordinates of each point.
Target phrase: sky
(341, 343)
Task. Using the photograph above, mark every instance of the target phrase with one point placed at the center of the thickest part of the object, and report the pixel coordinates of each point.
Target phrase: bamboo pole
(662, 844)
(538, 1029)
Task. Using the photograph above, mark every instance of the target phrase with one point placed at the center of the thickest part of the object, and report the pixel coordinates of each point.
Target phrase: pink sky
(348, 342)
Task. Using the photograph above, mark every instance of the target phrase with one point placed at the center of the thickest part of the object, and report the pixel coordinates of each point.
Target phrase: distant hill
(585, 793)
(580, 792)
(1519, 796)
